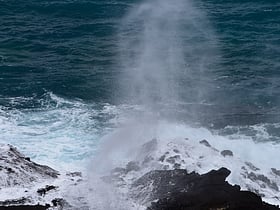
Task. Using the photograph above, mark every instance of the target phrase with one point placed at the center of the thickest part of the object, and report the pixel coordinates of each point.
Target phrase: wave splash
(163, 45)
(166, 51)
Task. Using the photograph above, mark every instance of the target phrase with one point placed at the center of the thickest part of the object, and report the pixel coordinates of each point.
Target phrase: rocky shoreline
(25, 184)
(179, 190)
(28, 185)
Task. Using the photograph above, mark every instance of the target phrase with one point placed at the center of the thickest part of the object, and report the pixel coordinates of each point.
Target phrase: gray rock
(162, 183)
(21, 173)
(176, 151)
(177, 166)
(173, 159)
(275, 171)
(18, 170)
(265, 180)
(162, 158)
(226, 153)
(205, 142)
(251, 166)
(74, 174)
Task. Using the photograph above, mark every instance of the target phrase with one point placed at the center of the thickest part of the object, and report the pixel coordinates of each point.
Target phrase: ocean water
(72, 72)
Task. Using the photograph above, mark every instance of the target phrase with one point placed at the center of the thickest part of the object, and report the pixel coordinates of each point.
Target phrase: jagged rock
(162, 158)
(165, 182)
(177, 166)
(25, 207)
(18, 170)
(205, 142)
(33, 183)
(260, 177)
(173, 159)
(226, 153)
(14, 201)
(43, 191)
(179, 190)
(275, 171)
(160, 183)
(74, 174)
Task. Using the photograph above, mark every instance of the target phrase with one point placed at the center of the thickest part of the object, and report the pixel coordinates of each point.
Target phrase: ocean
(73, 72)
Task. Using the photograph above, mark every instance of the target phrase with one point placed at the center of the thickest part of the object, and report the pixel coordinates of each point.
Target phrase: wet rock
(13, 202)
(43, 191)
(205, 142)
(159, 183)
(74, 174)
(177, 166)
(60, 204)
(265, 180)
(226, 153)
(275, 171)
(57, 202)
(162, 158)
(173, 159)
(176, 151)
(20, 170)
(20, 173)
(179, 190)
(25, 207)
(251, 166)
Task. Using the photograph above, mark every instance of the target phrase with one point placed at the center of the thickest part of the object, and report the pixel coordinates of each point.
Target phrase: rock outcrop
(167, 176)
(25, 184)
(18, 170)
(179, 190)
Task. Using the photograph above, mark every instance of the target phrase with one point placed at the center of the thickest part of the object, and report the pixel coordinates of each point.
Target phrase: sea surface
(64, 81)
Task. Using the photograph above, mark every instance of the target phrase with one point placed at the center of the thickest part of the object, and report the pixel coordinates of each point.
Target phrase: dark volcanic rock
(43, 191)
(180, 190)
(166, 182)
(24, 207)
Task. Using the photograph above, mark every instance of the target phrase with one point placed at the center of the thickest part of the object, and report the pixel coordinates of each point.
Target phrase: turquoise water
(61, 75)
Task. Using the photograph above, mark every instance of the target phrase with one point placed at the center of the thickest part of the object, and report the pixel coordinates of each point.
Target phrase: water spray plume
(166, 47)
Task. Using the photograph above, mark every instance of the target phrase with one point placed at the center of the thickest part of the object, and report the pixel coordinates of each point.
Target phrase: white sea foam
(63, 133)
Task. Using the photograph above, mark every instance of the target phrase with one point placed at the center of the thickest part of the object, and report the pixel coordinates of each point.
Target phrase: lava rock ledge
(179, 190)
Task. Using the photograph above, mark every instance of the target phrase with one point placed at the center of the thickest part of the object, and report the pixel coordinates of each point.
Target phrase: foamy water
(69, 136)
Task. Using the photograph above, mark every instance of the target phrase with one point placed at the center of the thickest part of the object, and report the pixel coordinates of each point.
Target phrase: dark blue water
(70, 49)
(66, 47)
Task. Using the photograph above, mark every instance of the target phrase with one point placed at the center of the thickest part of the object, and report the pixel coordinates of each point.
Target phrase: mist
(166, 50)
